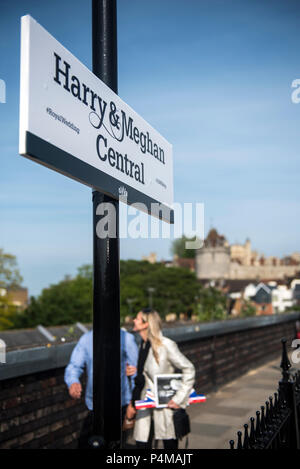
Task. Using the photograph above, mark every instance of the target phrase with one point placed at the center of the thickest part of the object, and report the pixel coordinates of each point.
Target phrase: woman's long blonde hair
(154, 330)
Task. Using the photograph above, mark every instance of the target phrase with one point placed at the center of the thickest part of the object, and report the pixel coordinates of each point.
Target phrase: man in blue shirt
(82, 356)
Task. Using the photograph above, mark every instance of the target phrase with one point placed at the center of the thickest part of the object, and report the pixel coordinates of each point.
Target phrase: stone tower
(213, 260)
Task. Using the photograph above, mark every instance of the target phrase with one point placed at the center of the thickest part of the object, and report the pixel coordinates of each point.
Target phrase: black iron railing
(276, 425)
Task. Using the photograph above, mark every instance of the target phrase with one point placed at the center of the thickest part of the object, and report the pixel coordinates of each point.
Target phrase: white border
(171, 375)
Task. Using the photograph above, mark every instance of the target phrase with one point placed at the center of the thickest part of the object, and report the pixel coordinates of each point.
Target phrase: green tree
(174, 288)
(211, 305)
(71, 299)
(248, 309)
(8, 313)
(178, 248)
(9, 273)
(10, 278)
(66, 302)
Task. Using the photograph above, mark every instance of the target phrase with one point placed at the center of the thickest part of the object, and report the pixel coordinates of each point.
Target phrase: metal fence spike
(257, 428)
(285, 364)
(239, 444)
(267, 416)
(262, 420)
(252, 432)
(276, 401)
(271, 408)
(276, 425)
(246, 437)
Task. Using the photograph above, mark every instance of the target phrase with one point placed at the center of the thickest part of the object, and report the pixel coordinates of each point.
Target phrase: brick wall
(37, 412)
(221, 359)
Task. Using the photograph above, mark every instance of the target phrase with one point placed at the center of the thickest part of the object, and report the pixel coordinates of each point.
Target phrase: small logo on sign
(123, 191)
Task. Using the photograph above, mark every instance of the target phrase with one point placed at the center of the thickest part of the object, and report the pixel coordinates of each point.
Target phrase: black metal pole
(104, 30)
(106, 277)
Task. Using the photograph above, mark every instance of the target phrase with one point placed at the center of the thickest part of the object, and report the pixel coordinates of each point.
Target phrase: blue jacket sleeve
(132, 353)
(77, 362)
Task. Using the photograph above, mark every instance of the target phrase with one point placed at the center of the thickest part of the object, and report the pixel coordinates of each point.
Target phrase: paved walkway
(217, 421)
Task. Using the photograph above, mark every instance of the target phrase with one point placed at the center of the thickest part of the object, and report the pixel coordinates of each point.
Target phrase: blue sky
(213, 77)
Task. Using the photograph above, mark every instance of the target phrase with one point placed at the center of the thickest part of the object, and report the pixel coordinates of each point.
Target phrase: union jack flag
(149, 401)
(195, 398)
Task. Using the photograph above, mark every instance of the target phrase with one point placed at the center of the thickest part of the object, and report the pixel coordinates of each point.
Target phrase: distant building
(152, 258)
(185, 262)
(295, 286)
(241, 253)
(235, 304)
(217, 260)
(267, 298)
(282, 298)
(296, 256)
(250, 291)
(17, 297)
(262, 299)
(213, 259)
(168, 263)
(259, 296)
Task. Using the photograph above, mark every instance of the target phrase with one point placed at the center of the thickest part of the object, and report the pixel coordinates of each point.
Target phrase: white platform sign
(73, 123)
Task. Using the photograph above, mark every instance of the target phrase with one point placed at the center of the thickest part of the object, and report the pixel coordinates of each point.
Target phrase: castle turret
(213, 259)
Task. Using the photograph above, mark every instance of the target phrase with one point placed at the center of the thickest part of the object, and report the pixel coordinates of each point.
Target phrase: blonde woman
(157, 355)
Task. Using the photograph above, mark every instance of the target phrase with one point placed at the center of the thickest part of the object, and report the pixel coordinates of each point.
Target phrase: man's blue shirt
(82, 356)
